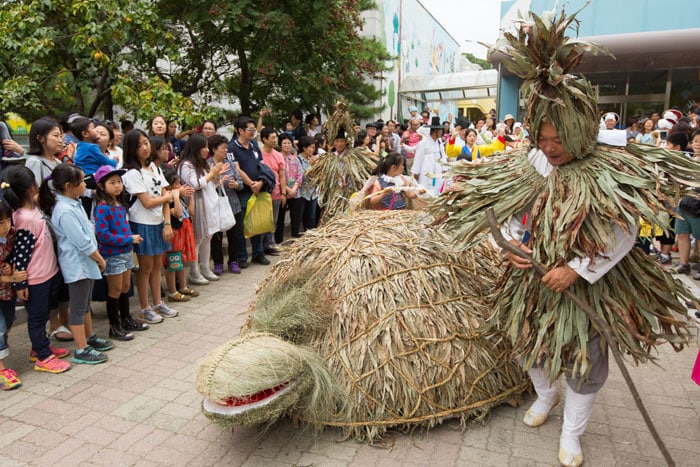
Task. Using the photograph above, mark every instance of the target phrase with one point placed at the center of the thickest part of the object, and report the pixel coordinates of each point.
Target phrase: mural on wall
(425, 48)
(390, 10)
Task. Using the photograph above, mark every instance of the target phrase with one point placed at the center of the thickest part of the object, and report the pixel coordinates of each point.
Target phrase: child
(80, 260)
(149, 218)
(197, 173)
(232, 184)
(34, 253)
(8, 377)
(160, 152)
(45, 141)
(182, 244)
(116, 242)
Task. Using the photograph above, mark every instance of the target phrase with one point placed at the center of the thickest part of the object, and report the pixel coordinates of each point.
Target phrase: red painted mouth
(253, 398)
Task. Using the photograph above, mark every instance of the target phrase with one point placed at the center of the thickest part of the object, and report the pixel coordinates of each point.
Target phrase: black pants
(294, 205)
(279, 228)
(217, 250)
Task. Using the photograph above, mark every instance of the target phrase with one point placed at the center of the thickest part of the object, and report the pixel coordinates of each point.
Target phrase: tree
(283, 54)
(484, 64)
(65, 55)
(178, 58)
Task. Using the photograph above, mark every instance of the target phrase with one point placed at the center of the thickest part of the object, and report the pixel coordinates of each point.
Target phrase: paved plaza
(141, 408)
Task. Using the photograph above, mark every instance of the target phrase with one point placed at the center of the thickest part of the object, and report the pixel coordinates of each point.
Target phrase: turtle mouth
(236, 405)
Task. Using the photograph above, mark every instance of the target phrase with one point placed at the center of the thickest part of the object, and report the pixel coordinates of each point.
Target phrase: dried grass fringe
(401, 314)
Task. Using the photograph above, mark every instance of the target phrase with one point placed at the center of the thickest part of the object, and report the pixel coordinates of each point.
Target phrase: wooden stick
(599, 323)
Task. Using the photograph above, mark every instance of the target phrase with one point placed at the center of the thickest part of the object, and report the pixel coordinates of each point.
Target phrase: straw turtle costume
(368, 323)
(582, 214)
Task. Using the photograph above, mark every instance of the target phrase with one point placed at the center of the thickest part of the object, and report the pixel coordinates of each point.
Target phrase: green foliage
(177, 58)
(484, 64)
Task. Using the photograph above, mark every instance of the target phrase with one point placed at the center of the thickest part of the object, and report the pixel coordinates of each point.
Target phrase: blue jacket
(75, 236)
(89, 158)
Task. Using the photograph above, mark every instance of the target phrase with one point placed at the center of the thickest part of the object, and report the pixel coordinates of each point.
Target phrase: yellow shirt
(483, 150)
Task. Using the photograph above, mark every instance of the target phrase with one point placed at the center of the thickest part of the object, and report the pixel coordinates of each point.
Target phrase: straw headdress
(544, 57)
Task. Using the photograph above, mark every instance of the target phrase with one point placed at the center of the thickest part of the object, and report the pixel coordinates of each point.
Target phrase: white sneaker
(164, 310)
(197, 280)
(147, 315)
(209, 275)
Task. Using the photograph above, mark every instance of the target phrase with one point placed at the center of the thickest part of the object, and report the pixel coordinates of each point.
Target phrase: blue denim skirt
(153, 242)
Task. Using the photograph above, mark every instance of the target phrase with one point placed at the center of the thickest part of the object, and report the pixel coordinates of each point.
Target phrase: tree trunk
(246, 85)
(108, 105)
(99, 93)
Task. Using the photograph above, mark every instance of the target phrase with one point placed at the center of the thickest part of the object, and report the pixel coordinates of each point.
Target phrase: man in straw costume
(573, 205)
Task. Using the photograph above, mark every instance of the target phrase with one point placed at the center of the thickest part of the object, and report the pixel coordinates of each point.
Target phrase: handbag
(226, 218)
(259, 218)
(690, 207)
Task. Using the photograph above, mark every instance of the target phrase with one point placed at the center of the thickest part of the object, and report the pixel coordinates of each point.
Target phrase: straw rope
(402, 312)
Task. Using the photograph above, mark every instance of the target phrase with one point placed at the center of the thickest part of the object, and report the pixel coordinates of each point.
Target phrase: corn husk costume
(370, 322)
(338, 177)
(574, 212)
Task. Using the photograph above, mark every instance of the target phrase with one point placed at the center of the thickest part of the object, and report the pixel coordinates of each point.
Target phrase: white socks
(547, 397)
(577, 410)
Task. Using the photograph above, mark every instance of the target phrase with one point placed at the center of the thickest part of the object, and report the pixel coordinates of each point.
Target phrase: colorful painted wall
(423, 49)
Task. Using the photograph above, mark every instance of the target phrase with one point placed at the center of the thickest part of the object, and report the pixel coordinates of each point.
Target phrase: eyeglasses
(250, 130)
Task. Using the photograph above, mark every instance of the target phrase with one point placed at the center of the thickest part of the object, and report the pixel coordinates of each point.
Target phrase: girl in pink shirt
(34, 253)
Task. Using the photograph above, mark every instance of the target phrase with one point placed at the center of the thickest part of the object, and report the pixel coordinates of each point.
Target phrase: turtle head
(258, 378)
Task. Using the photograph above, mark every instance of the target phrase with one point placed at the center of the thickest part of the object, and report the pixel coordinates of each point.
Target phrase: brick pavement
(141, 408)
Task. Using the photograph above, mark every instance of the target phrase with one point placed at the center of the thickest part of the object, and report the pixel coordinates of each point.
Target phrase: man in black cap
(430, 160)
(372, 128)
(340, 142)
(458, 138)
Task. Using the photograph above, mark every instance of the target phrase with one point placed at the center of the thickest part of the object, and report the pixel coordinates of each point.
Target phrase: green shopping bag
(258, 215)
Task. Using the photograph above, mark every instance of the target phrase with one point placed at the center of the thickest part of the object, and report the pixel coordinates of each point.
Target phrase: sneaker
(57, 351)
(242, 264)
(98, 343)
(149, 316)
(165, 311)
(261, 259)
(680, 269)
(9, 379)
(218, 269)
(208, 275)
(696, 276)
(89, 356)
(197, 280)
(130, 324)
(51, 364)
(664, 260)
(119, 333)
(234, 267)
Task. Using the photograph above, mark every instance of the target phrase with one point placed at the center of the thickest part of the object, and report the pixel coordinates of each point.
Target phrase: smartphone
(663, 134)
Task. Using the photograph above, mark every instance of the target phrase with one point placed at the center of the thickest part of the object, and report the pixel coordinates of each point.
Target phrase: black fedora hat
(435, 124)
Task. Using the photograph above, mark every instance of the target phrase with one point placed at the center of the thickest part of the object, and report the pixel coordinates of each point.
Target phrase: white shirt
(429, 164)
(144, 181)
(621, 244)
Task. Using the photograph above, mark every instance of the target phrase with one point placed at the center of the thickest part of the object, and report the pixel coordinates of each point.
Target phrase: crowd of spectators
(173, 177)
